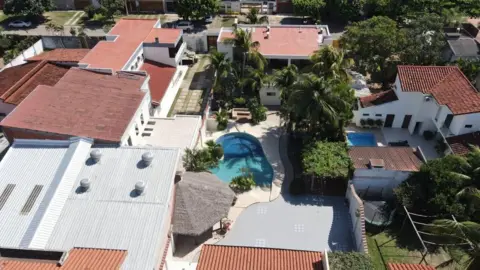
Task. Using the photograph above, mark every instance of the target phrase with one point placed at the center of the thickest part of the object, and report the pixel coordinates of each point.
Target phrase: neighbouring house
(79, 196)
(75, 258)
(408, 266)
(17, 82)
(242, 6)
(218, 257)
(378, 170)
(439, 99)
(462, 144)
(201, 201)
(142, 46)
(281, 45)
(462, 43)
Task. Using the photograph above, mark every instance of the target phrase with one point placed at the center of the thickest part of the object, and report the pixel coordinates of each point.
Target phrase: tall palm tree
(331, 63)
(246, 49)
(284, 79)
(470, 171)
(254, 80)
(316, 101)
(252, 17)
(220, 63)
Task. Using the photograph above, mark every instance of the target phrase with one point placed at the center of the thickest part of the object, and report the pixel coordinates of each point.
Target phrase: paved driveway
(304, 223)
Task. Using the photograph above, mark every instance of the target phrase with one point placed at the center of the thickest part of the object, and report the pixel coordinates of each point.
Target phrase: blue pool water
(242, 150)
(361, 139)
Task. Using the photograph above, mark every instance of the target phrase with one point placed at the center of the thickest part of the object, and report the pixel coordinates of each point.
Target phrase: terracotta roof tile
(461, 144)
(447, 84)
(160, 77)
(404, 266)
(378, 99)
(61, 55)
(216, 257)
(82, 103)
(164, 35)
(78, 258)
(394, 158)
(9, 76)
(115, 54)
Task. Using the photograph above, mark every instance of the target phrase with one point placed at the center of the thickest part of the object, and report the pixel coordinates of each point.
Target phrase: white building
(281, 45)
(378, 170)
(79, 196)
(434, 98)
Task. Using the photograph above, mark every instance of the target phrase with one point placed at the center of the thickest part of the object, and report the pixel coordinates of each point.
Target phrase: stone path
(190, 98)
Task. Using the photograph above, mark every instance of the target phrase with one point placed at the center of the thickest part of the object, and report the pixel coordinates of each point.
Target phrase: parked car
(185, 25)
(19, 24)
(209, 19)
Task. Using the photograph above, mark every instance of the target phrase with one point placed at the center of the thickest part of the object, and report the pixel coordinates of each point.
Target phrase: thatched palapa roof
(201, 200)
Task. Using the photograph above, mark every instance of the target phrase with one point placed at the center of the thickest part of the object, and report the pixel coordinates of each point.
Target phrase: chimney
(156, 40)
(147, 158)
(140, 187)
(95, 155)
(376, 163)
(85, 184)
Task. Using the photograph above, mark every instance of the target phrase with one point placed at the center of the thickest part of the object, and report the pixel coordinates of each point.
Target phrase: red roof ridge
(138, 19)
(106, 249)
(269, 248)
(419, 66)
(23, 80)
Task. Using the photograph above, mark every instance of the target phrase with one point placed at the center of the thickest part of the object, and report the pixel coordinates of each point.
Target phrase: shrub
(370, 122)
(327, 159)
(242, 182)
(215, 150)
(297, 186)
(222, 119)
(363, 122)
(99, 17)
(199, 160)
(90, 11)
(349, 260)
(428, 135)
(240, 101)
(379, 122)
(258, 111)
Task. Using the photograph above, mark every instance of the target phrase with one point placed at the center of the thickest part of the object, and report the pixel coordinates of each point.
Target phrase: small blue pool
(361, 139)
(243, 151)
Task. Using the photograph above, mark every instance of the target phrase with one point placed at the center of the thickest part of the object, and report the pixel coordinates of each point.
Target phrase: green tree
(471, 68)
(246, 50)
(253, 18)
(327, 160)
(196, 9)
(330, 63)
(29, 8)
(425, 42)
(220, 63)
(112, 8)
(375, 45)
(284, 79)
(344, 10)
(310, 8)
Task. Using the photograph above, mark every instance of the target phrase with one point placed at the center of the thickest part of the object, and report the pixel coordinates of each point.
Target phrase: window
(468, 126)
(378, 115)
(271, 94)
(366, 114)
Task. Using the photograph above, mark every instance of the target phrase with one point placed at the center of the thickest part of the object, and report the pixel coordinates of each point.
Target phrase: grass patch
(3, 17)
(227, 22)
(59, 17)
(388, 252)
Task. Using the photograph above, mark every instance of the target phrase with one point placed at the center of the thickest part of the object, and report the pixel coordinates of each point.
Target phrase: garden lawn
(59, 17)
(389, 252)
(2, 17)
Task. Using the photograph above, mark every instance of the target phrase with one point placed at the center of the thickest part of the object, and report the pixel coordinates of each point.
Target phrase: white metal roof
(109, 215)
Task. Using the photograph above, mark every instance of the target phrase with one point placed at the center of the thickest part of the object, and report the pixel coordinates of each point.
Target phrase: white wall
(227, 49)
(135, 61)
(172, 90)
(378, 180)
(159, 54)
(196, 42)
(457, 126)
(270, 100)
(358, 219)
(131, 133)
(35, 49)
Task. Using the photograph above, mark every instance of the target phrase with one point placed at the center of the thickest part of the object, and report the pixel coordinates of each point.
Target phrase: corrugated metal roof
(110, 215)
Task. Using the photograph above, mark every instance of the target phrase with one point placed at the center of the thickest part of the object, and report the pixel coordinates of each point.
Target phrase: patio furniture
(399, 143)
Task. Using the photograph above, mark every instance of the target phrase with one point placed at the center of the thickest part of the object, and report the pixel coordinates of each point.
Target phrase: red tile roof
(10, 76)
(78, 258)
(378, 99)
(43, 73)
(284, 40)
(115, 54)
(404, 266)
(215, 257)
(160, 77)
(447, 84)
(82, 103)
(394, 158)
(461, 144)
(164, 35)
(61, 55)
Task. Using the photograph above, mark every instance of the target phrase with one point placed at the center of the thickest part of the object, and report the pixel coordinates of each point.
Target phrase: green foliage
(252, 17)
(471, 68)
(90, 11)
(215, 150)
(242, 182)
(311, 8)
(327, 159)
(17, 45)
(199, 160)
(349, 260)
(110, 8)
(257, 110)
(29, 8)
(246, 50)
(240, 101)
(331, 63)
(222, 119)
(196, 9)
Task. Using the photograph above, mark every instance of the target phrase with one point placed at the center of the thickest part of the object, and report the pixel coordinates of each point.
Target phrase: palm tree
(252, 17)
(246, 49)
(331, 63)
(284, 79)
(470, 171)
(254, 80)
(220, 63)
(319, 104)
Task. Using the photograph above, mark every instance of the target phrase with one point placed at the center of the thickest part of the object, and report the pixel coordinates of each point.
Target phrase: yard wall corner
(357, 215)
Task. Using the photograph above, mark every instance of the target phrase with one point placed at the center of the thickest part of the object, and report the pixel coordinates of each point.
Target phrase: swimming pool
(361, 139)
(242, 150)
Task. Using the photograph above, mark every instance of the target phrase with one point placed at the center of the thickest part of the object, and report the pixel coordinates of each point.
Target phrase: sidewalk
(40, 30)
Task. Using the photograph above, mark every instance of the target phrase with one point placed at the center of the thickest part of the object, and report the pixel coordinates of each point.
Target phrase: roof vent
(147, 158)
(156, 40)
(85, 184)
(427, 98)
(377, 163)
(140, 187)
(267, 35)
(95, 155)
